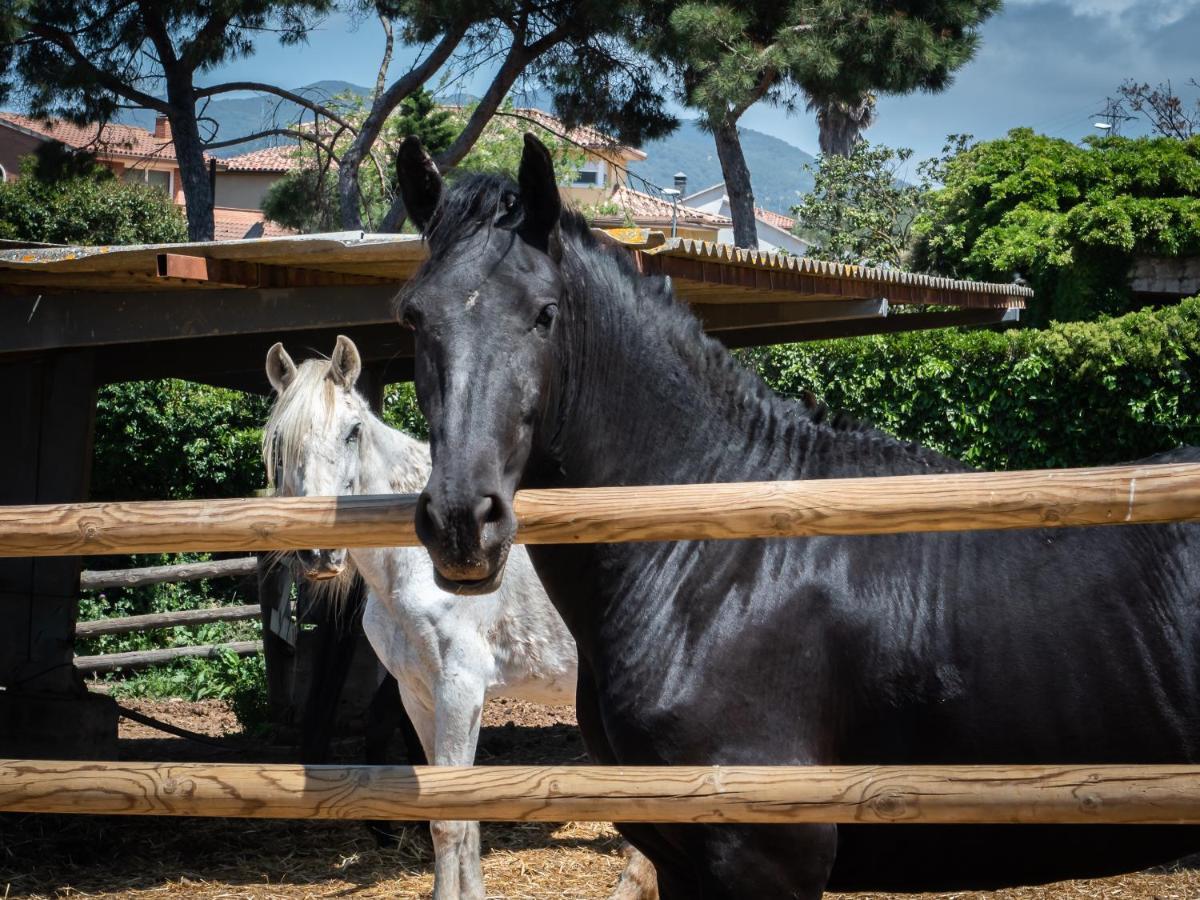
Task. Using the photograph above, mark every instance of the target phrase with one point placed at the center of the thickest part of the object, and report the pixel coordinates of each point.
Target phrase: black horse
(543, 360)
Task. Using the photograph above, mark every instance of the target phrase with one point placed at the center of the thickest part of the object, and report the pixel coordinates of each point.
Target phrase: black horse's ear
(419, 180)
(539, 193)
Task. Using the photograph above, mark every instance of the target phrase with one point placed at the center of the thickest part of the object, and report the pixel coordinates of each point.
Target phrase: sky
(1048, 64)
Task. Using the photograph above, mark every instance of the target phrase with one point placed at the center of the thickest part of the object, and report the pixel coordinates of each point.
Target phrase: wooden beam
(141, 659)
(175, 619)
(892, 324)
(197, 571)
(82, 319)
(189, 270)
(202, 269)
(237, 360)
(727, 316)
(958, 502)
(719, 794)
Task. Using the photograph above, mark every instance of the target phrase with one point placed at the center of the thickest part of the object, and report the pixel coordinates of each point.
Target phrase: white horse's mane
(310, 395)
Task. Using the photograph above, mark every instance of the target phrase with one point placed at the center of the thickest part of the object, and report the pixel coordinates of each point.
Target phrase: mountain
(236, 116)
(777, 169)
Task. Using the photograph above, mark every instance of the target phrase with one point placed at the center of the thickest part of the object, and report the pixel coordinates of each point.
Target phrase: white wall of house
(770, 237)
(244, 190)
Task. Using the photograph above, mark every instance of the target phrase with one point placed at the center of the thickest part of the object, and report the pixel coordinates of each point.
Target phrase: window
(160, 180)
(155, 178)
(591, 175)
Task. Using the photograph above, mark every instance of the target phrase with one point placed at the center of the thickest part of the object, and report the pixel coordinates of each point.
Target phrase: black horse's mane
(481, 200)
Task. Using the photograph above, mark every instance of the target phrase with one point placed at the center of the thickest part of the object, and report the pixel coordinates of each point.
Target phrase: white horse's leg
(458, 707)
(639, 881)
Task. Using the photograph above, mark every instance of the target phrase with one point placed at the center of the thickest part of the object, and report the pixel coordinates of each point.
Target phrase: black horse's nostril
(428, 520)
(484, 510)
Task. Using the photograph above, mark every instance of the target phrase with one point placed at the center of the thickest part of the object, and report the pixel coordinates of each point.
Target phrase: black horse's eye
(546, 316)
(355, 433)
(407, 322)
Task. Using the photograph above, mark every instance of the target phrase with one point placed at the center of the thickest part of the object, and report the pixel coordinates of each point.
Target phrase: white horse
(322, 439)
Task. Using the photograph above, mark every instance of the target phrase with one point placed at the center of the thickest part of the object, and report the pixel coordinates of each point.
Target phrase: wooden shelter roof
(702, 272)
(208, 311)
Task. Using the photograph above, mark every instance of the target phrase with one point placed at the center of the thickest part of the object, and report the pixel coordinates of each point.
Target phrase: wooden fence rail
(150, 621)
(957, 502)
(763, 794)
(141, 659)
(215, 568)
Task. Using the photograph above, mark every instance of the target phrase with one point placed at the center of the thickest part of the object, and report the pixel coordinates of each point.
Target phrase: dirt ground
(216, 859)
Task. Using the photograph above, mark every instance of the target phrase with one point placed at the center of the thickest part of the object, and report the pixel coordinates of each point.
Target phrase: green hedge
(1075, 394)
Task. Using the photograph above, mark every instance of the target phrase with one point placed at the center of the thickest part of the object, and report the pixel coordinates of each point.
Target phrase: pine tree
(577, 48)
(84, 60)
(839, 53)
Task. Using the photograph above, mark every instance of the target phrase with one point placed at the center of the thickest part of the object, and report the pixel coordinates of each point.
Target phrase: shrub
(1077, 394)
(82, 205)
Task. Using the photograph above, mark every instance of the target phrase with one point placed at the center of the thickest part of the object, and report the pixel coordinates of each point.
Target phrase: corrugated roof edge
(703, 250)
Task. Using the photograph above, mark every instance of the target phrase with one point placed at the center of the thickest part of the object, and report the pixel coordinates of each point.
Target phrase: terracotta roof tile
(646, 209)
(239, 224)
(773, 218)
(268, 159)
(584, 135)
(111, 140)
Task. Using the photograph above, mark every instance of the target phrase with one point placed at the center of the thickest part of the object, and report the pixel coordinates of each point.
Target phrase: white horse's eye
(355, 432)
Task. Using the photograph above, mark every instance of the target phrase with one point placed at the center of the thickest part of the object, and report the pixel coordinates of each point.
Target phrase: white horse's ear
(346, 364)
(280, 368)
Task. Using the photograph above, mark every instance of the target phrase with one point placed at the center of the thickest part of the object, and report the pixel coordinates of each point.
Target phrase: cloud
(1123, 12)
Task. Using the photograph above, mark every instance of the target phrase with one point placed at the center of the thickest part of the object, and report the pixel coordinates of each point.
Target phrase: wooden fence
(760, 794)
(172, 574)
(959, 502)
(953, 794)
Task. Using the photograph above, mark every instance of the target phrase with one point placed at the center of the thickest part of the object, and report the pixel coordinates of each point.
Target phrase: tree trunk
(842, 123)
(737, 184)
(193, 168)
(382, 105)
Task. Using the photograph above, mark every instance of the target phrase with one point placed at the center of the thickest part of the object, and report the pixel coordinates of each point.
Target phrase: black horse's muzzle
(467, 539)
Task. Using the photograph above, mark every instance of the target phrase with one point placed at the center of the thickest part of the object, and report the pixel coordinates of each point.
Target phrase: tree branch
(385, 63)
(66, 43)
(270, 132)
(263, 88)
(381, 108)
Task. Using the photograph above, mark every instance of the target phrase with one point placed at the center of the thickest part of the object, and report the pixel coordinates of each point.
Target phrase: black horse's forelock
(469, 203)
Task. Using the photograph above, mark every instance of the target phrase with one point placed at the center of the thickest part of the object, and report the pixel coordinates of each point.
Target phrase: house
(774, 229)
(243, 181)
(133, 154)
(601, 188)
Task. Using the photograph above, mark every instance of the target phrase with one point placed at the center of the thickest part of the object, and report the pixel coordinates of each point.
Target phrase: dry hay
(214, 859)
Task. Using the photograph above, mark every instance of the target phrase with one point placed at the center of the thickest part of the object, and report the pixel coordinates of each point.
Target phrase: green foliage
(170, 439)
(240, 680)
(83, 60)
(1069, 219)
(735, 54)
(859, 211)
(400, 410)
(1075, 394)
(68, 200)
(420, 115)
(500, 146)
(174, 440)
(304, 199)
